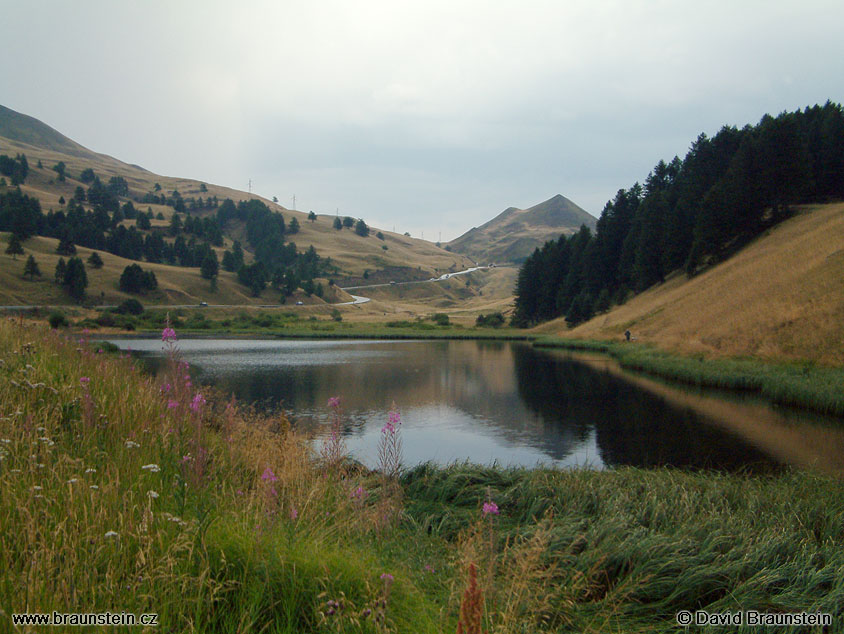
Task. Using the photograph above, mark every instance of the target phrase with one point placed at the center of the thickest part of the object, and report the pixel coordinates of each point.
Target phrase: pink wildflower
(269, 476)
(334, 402)
(198, 402)
(395, 418)
(85, 380)
(171, 404)
(168, 335)
(294, 513)
(387, 576)
(359, 493)
(490, 508)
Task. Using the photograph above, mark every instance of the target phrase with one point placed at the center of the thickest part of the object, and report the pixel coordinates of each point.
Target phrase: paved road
(358, 299)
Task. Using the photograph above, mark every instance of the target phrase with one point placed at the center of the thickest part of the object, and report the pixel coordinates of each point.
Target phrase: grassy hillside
(780, 298)
(352, 253)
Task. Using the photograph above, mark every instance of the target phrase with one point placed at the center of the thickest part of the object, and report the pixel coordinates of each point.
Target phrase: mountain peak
(514, 233)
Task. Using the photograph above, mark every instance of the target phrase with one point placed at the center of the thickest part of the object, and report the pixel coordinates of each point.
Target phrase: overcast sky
(428, 116)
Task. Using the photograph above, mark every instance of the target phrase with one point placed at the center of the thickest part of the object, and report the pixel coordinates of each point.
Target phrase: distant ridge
(514, 233)
(25, 129)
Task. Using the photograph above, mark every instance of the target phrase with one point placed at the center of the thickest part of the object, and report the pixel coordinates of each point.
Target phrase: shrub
(493, 320)
(57, 319)
(130, 307)
(441, 319)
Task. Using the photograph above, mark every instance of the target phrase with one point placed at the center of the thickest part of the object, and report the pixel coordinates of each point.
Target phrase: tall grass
(118, 493)
(121, 493)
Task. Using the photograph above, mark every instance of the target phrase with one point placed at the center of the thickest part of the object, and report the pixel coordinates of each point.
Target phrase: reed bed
(804, 385)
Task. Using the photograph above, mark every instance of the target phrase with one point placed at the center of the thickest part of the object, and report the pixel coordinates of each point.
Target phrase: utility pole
(250, 185)
(294, 202)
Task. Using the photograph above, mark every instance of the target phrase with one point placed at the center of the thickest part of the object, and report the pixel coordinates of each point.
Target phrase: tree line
(689, 214)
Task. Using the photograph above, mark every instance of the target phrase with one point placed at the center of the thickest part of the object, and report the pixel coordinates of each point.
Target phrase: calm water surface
(503, 402)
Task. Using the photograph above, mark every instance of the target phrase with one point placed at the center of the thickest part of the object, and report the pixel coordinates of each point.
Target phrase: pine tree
(95, 260)
(61, 267)
(75, 279)
(66, 246)
(31, 268)
(15, 247)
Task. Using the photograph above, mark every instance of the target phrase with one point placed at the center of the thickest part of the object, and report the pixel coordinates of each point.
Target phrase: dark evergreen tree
(15, 248)
(66, 246)
(61, 267)
(75, 279)
(31, 267)
(361, 229)
(135, 280)
(59, 168)
(210, 267)
(338, 224)
(95, 261)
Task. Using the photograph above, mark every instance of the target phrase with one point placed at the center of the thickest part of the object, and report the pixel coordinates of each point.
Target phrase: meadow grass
(126, 493)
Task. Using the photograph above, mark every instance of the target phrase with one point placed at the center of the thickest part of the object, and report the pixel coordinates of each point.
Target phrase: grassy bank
(124, 494)
(799, 384)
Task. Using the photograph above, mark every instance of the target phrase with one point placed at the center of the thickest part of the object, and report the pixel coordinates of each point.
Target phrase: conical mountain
(514, 233)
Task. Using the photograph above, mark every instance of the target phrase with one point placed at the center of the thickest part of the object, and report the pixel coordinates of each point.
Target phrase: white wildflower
(95, 487)
(72, 481)
(37, 488)
(152, 494)
(152, 468)
(110, 534)
(90, 470)
(131, 444)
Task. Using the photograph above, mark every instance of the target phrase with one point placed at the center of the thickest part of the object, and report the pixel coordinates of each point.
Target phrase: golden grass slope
(782, 297)
(352, 253)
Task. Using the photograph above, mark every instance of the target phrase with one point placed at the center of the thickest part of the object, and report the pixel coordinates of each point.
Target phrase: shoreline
(803, 385)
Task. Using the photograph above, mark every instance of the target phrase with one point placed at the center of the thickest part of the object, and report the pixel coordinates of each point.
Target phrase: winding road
(357, 299)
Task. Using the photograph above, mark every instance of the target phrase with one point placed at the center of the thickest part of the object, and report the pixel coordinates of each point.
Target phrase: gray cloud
(432, 116)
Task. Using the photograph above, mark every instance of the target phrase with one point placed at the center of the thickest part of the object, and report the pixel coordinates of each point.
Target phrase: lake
(503, 402)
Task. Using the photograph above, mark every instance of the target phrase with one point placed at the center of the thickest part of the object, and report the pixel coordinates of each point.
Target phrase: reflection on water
(479, 401)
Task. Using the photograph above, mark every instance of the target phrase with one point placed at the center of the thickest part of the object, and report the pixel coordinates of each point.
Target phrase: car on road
(300, 303)
(203, 303)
